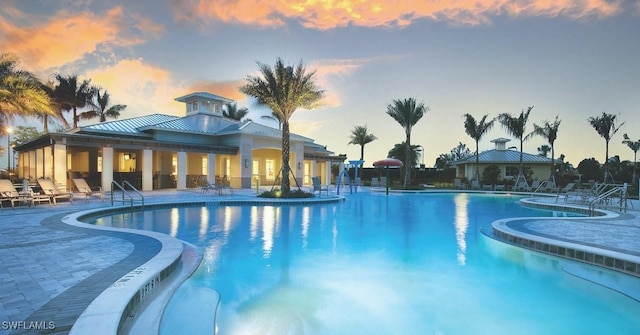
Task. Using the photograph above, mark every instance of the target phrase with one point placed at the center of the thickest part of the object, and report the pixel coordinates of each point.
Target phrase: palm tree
(57, 116)
(101, 107)
(407, 113)
(284, 89)
(361, 136)
(605, 125)
(71, 96)
(543, 150)
(635, 146)
(549, 130)
(516, 126)
(21, 93)
(476, 130)
(400, 150)
(233, 112)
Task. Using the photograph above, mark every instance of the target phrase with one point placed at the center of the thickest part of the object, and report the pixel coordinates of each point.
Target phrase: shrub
(295, 194)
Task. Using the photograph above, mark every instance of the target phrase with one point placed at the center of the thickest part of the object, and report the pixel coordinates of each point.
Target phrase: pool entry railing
(615, 198)
(126, 196)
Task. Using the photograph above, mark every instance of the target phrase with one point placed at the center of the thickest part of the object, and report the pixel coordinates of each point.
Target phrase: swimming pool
(376, 264)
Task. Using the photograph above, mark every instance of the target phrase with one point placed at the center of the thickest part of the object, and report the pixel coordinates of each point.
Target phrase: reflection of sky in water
(462, 223)
(381, 265)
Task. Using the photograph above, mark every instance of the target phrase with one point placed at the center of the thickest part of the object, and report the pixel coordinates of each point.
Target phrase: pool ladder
(126, 196)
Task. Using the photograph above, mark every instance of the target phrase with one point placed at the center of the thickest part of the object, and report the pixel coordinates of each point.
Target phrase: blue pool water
(376, 264)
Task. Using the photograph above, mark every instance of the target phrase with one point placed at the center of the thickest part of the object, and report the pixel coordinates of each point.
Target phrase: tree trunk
(407, 155)
(477, 163)
(285, 185)
(361, 151)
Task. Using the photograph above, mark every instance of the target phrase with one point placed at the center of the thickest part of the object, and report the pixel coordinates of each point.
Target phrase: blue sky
(574, 59)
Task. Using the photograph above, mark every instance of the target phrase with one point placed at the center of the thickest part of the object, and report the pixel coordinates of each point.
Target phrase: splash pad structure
(387, 162)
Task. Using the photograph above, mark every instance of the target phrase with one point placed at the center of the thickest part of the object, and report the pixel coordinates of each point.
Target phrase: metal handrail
(124, 192)
(607, 194)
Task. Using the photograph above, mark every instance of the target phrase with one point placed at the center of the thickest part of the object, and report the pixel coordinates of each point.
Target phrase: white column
(246, 162)
(211, 168)
(147, 170)
(107, 168)
(181, 171)
(59, 161)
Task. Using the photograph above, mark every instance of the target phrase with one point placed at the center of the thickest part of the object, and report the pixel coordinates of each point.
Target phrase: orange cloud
(129, 81)
(67, 36)
(324, 15)
(227, 89)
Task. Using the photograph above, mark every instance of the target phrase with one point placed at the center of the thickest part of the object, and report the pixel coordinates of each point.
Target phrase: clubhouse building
(160, 151)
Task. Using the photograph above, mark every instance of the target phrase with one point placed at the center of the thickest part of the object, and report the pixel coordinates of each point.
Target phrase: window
(205, 165)
(270, 166)
(194, 106)
(512, 171)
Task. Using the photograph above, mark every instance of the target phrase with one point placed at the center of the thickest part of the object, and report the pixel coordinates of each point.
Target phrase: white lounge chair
(49, 188)
(457, 183)
(9, 193)
(83, 188)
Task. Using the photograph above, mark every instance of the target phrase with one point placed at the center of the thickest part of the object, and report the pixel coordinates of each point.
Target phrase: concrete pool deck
(53, 271)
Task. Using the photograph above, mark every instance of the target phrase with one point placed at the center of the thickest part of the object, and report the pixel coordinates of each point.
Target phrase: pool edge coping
(609, 259)
(106, 314)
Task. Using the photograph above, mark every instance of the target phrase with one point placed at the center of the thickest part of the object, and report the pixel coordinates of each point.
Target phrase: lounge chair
(317, 187)
(9, 193)
(375, 182)
(522, 186)
(83, 188)
(457, 183)
(487, 187)
(500, 187)
(475, 185)
(564, 192)
(48, 188)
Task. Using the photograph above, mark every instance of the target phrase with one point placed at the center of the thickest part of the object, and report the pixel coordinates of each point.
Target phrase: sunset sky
(574, 59)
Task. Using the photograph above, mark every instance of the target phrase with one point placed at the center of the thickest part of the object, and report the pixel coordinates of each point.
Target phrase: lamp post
(9, 131)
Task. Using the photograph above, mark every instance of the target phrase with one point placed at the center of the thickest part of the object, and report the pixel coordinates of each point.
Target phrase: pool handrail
(124, 192)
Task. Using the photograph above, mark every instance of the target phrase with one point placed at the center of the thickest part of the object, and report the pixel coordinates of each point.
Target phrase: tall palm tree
(407, 113)
(284, 89)
(605, 125)
(549, 130)
(516, 126)
(21, 93)
(49, 87)
(232, 112)
(476, 130)
(101, 108)
(635, 146)
(71, 96)
(360, 136)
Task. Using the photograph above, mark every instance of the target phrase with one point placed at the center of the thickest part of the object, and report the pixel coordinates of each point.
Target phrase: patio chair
(500, 187)
(487, 187)
(457, 183)
(9, 193)
(317, 187)
(206, 186)
(475, 185)
(86, 190)
(49, 188)
(225, 185)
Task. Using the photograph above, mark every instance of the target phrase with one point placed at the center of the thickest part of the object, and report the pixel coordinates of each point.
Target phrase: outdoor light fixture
(299, 165)
(246, 163)
(127, 157)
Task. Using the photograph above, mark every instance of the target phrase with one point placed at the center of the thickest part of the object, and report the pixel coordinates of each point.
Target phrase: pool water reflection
(375, 264)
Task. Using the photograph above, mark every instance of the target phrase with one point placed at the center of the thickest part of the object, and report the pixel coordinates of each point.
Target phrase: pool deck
(52, 271)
